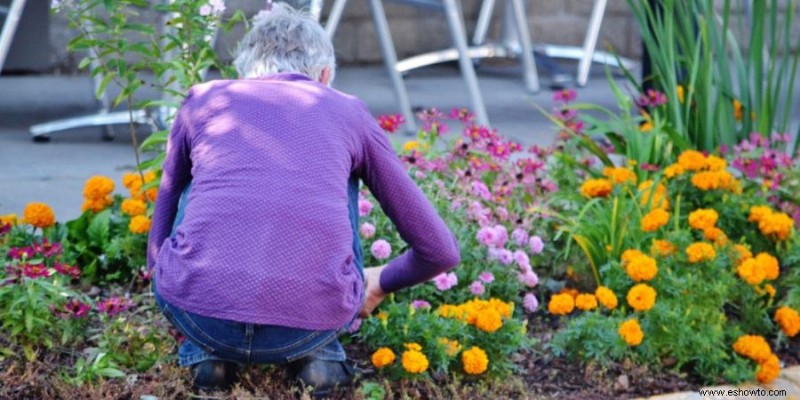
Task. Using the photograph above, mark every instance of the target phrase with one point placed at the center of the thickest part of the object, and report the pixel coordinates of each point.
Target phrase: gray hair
(285, 40)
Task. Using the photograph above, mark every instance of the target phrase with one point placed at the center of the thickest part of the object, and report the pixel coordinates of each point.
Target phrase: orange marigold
(776, 226)
(742, 253)
(414, 361)
(642, 297)
(133, 207)
(714, 163)
(474, 360)
(39, 215)
(751, 272)
(606, 297)
(674, 170)
(703, 218)
(489, 320)
(654, 219)
(757, 213)
(715, 235)
(383, 357)
(662, 248)
(98, 204)
(586, 302)
(139, 224)
(98, 187)
(596, 188)
(631, 332)
(620, 175)
(452, 347)
(692, 160)
(769, 370)
(769, 265)
(753, 347)
(642, 268)
(561, 304)
(713, 180)
(654, 197)
(738, 110)
(789, 320)
(8, 219)
(700, 251)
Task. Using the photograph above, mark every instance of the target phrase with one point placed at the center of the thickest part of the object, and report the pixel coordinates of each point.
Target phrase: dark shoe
(323, 376)
(214, 375)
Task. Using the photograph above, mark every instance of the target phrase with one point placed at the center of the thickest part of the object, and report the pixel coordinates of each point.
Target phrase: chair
(13, 15)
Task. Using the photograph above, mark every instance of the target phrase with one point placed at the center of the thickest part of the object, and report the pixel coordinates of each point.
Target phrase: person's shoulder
(205, 88)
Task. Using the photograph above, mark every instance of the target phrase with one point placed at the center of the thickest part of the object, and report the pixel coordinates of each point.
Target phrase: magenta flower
(68, 270)
(652, 99)
(565, 95)
(462, 114)
(71, 309)
(417, 304)
(18, 253)
(381, 249)
(5, 228)
(487, 236)
(391, 122)
(367, 230)
(480, 189)
(536, 244)
(486, 277)
(505, 257)
(519, 236)
(528, 278)
(47, 249)
(502, 213)
(114, 305)
(364, 207)
(477, 288)
(530, 302)
(445, 281)
(34, 271)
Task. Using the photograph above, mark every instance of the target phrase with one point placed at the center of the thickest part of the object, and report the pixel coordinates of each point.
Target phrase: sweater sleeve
(434, 248)
(175, 175)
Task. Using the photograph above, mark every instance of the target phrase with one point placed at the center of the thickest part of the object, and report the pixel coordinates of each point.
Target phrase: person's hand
(374, 295)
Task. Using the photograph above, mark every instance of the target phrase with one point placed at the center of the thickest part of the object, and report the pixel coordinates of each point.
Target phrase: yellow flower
(504, 308)
(757, 213)
(413, 346)
(742, 253)
(561, 304)
(606, 297)
(451, 311)
(97, 205)
(620, 175)
(751, 271)
(414, 361)
(700, 251)
(714, 163)
(646, 126)
(789, 320)
(769, 370)
(383, 357)
(131, 178)
(769, 265)
(753, 347)
(452, 347)
(489, 321)
(139, 224)
(629, 255)
(713, 180)
(411, 145)
(658, 195)
(586, 302)
(692, 160)
(596, 188)
(642, 268)
(8, 219)
(776, 226)
(737, 110)
(674, 170)
(39, 215)
(654, 219)
(662, 248)
(679, 93)
(475, 361)
(703, 218)
(715, 235)
(383, 316)
(631, 332)
(133, 207)
(98, 187)
(642, 297)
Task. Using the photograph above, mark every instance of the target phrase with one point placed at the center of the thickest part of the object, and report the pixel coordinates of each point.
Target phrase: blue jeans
(219, 339)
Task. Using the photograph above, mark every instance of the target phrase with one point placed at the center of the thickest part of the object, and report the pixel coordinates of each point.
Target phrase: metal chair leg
(334, 17)
(590, 42)
(482, 26)
(9, 28)
(529, 72)
(456, 24)
(390, 59)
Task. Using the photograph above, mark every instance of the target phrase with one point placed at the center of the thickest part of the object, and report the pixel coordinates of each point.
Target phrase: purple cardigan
(266, 237)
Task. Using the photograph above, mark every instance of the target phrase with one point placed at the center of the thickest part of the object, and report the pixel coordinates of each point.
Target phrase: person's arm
(175, 175)
(434, 248)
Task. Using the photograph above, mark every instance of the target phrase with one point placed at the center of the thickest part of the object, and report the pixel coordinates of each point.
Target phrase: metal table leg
(590, 41)
(10, 28)
(453, 14)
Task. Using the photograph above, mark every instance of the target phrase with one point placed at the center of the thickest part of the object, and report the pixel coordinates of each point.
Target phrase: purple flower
(521, 258)
(480, 189)
(502, 213)
(417, 304)
(530, 302)
(114, 305)
(445, 281)
(71, 309)
(381, 249)
(536, 244)
(505, 257)
(477, 288)
(519, 236)
(367, 230)
(528, 278)
(487, 236)
(364, 207)
(502, 235)
(486, 277)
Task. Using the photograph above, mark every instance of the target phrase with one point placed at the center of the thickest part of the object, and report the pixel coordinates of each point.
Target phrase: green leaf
(99, 228)
(102, 87)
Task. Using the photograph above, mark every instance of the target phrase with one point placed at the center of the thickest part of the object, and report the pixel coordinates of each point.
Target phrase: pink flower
(487, 236)
(65, 269)
(652, 99)
(417, 304)
(477, 288)
(364, 207)
(486, 277)
(519, 236)
(564, 95)
(205, 10)
(71, 309)
(536, 244)
(34, 271)
(367, 230)
(502, 235)
(419, 175)
(218, 6)
(505, 257)
(381, 249)
(480, 189)
(521, 258)
(114, 305)
(494, 253)
(530, 302)
(47, 249)
(391, 122)
(528, 278)
(445, 281)
(502, 213)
